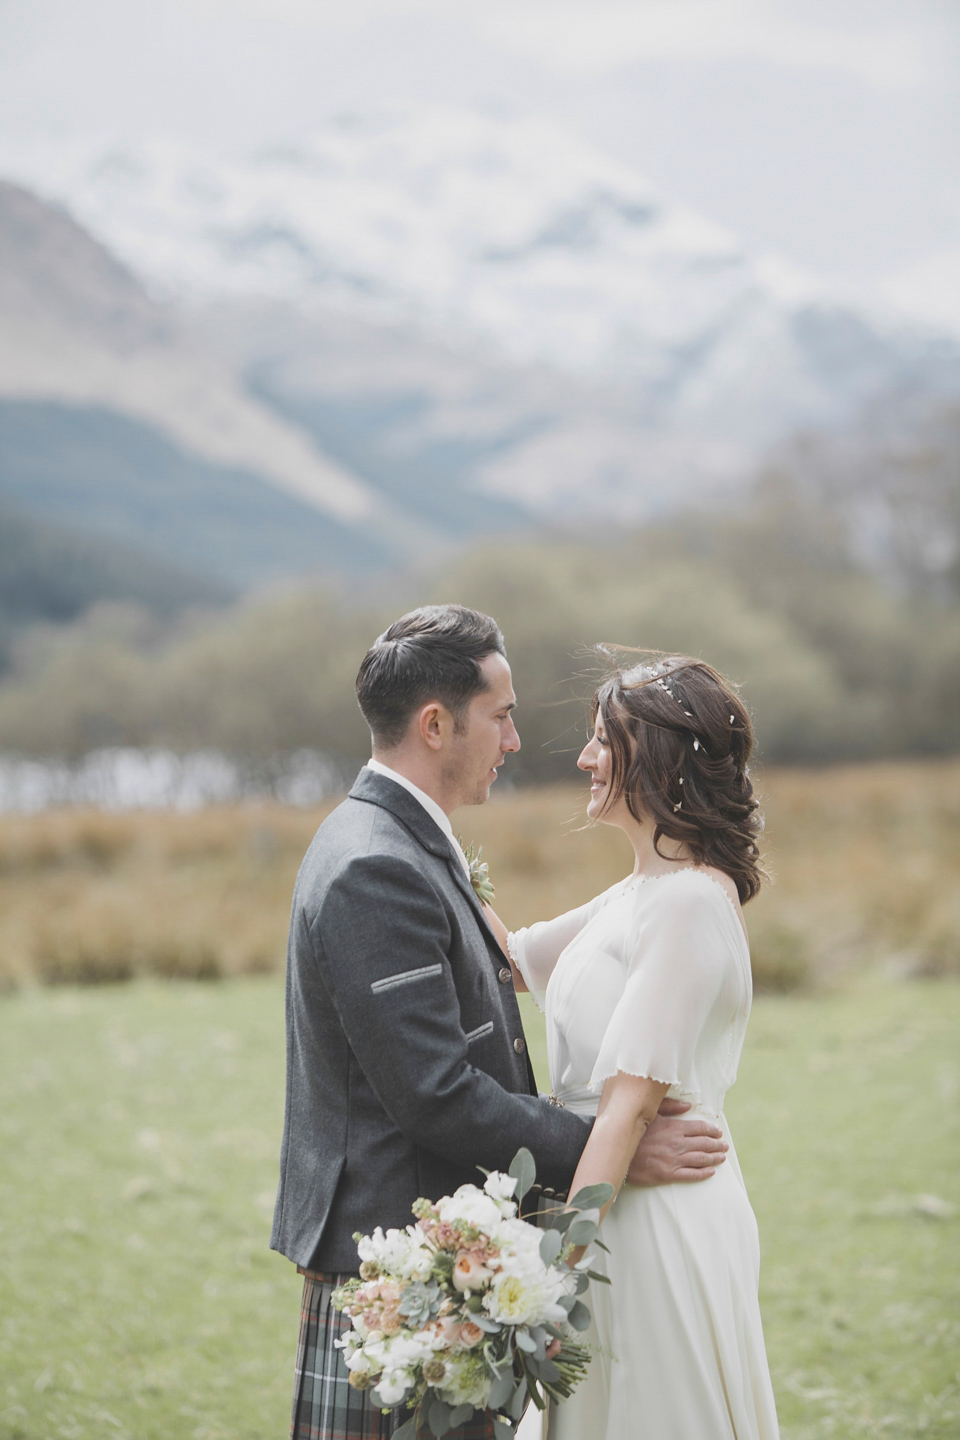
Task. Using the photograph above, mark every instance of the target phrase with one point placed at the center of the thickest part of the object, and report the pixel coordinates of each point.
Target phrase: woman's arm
(534, 950)
(500, 930)
(627, 1106)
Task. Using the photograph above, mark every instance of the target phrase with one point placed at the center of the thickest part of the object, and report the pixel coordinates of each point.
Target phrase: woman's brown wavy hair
(680, 740)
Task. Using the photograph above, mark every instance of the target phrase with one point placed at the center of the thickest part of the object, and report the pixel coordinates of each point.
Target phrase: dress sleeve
(679, 967)
(536, 949)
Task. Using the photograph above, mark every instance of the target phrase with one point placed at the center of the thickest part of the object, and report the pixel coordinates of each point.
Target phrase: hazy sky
(829, 132)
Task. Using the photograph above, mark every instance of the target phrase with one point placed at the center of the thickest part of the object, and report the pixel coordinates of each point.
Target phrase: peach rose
(469, 1273)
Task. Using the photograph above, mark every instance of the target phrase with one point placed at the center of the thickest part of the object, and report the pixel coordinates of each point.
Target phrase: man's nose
(511, 741)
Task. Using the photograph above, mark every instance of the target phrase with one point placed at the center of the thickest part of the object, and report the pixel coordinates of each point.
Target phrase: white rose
(392, 1386)
(470, 1206)
(501, 1188)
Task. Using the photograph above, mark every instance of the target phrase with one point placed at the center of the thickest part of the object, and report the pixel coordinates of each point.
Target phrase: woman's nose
(586, 757)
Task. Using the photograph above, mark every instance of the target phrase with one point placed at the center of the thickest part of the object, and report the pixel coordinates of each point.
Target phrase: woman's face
(596, 760)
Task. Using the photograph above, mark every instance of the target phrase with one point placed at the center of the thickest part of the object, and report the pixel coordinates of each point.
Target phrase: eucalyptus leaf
(582, 1232)
(502, 1431)
(549, 1371)
(535, 1395)
(551, 1243)
(591, 1216)
(515, 1408)
(439, 1417)
(407, 1431)
(460, 1416)
(484, 1322)
(579, 1316)
(596, 1277)
(581, 1283)
(525, 1342)
(557, 1219)
(592, 1197)
(501, 1389)
(567, 1302)
(523, 1169)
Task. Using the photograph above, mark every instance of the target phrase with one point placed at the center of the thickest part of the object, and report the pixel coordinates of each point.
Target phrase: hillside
(541, 325)
(114, 417)
(52, 575)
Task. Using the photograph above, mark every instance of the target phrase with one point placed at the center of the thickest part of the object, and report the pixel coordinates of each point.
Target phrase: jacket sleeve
(382, 938)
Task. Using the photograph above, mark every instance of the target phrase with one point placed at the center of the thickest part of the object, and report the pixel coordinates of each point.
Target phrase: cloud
(581, 39)
(589, 37)
(929, 290)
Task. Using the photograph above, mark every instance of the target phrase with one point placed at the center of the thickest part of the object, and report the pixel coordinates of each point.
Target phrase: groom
(407, 1065)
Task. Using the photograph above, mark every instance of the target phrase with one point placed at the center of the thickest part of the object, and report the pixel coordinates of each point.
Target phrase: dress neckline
(635, 882)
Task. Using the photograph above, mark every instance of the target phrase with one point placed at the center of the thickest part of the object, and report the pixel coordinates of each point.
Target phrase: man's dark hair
(433, 653)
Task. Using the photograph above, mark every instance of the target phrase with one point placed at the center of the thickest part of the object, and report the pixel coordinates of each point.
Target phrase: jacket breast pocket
(480, 1032)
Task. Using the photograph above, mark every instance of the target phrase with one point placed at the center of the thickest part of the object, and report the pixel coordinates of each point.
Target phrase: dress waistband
(578, 1098)
(584, 1101)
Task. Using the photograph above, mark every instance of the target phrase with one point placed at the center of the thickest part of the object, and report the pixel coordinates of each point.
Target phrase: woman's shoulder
(691, 887)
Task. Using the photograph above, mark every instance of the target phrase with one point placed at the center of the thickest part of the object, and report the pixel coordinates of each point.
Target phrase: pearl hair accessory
(666, 688)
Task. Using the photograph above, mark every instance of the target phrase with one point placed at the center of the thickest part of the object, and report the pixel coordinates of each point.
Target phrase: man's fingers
(673, 1107)
(693, 1128)
(703, 1142)
(690, 1177)
(698, 1158)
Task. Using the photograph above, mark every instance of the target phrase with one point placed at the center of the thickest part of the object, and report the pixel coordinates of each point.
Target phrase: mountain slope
(51, 573)
(101, 472)
(514, 235)
(77, 327)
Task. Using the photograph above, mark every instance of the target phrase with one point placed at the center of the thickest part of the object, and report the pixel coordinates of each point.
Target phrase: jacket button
(519, 1045)
(505, 974)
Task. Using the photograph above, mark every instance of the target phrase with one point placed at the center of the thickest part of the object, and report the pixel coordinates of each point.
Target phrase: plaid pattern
(324, 1405)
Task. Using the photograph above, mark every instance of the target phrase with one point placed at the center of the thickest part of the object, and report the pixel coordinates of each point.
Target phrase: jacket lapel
(381, 790)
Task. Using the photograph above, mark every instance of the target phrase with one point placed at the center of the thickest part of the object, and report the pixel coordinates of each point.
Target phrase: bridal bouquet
(473, 1307)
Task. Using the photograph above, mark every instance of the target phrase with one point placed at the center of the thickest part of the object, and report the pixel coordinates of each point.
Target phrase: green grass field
(140, 1129)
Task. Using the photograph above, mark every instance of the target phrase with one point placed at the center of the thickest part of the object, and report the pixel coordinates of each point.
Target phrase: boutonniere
(479, 872)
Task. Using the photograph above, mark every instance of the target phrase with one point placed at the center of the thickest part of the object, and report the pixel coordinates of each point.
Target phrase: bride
(646, 991)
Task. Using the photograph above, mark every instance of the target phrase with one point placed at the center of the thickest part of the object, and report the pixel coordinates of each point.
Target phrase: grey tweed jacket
(406, 1062)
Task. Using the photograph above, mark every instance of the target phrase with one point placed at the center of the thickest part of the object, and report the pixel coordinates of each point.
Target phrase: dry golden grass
(866, 865)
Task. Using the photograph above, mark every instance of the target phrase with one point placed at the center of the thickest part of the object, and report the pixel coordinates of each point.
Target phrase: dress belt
(578, 1098)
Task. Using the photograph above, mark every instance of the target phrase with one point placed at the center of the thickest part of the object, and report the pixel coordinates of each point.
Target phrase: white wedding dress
(653, 978)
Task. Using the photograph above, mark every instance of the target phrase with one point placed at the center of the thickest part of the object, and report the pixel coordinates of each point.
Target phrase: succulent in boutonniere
(479, 872)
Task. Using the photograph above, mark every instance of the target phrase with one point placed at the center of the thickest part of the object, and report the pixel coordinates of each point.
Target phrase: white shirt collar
(440, 817)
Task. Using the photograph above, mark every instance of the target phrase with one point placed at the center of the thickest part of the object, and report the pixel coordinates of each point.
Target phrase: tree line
(839, 657)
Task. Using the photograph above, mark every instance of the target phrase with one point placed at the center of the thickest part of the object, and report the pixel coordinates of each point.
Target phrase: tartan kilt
(324, 1405)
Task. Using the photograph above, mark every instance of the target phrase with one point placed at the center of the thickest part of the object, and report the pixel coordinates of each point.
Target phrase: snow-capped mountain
(509, 234)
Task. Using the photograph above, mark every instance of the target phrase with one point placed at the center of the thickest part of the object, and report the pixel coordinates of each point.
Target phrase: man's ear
(435, 723)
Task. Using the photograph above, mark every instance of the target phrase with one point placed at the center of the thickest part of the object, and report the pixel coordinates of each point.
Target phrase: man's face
(488, 734)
